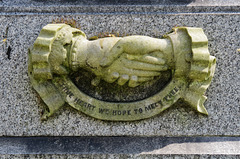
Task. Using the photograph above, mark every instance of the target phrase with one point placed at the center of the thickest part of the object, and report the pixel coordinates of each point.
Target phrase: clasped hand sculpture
(61, 49)
(132, 59)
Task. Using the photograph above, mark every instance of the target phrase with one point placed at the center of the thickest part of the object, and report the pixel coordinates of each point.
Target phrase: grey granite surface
(100, 2)
(120, 145)
(119, 156)
(70, 7)
(125, 2)
(21, 108)
(110, 9)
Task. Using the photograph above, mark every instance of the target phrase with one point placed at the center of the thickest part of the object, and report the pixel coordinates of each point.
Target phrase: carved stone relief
(120, 78)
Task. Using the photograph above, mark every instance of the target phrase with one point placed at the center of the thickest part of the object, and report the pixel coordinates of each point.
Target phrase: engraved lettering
(139, 62)
(120, 112)
(103, 111)
(151, 106)
(135, 110)
(78, 101)
(140, 110)
(90, 106)
(84, 104)
(114, 112)
(160, 102)
(171, 94)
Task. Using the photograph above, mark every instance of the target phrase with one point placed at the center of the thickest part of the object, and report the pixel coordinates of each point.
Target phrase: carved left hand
(134, 69)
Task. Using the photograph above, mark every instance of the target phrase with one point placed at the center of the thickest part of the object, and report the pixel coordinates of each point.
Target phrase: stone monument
(32, 85)
(181, 59)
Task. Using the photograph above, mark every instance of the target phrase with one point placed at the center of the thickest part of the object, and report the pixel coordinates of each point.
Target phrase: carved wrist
(78, 53)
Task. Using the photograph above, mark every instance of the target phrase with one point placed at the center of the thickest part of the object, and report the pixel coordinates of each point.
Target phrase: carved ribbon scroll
(61, 50)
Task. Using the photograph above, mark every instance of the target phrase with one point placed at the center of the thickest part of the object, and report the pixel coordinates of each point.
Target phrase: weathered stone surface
(121, 156)
(65, 7)
(132, 146)
(20, 105)
(61, 50)
(124, 2)
(21, 108)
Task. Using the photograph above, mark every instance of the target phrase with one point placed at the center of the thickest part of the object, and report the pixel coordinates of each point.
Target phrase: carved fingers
(133, 60)
(113, 54)
(134, 45)
(143, 65)
(152, 58)
(134, 70)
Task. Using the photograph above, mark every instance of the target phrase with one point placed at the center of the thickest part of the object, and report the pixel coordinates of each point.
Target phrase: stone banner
(22, 107)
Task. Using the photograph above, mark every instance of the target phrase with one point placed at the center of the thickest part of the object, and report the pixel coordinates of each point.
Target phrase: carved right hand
(134, 69)
(133, 59)
(136, 46)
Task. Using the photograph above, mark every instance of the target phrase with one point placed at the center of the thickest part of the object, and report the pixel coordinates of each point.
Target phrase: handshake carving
(60, 50)
(128, 60)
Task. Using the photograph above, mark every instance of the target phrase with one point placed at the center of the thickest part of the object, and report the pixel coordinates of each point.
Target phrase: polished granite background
(21, 107)
(21, 22)
(178, 132)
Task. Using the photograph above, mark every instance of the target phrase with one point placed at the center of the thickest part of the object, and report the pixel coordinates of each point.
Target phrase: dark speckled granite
(20, 107)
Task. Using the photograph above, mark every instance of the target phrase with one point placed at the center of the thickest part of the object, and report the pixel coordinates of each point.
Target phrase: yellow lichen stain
(107, 34)
(2, 42)
(72, 22)
(69, 21)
